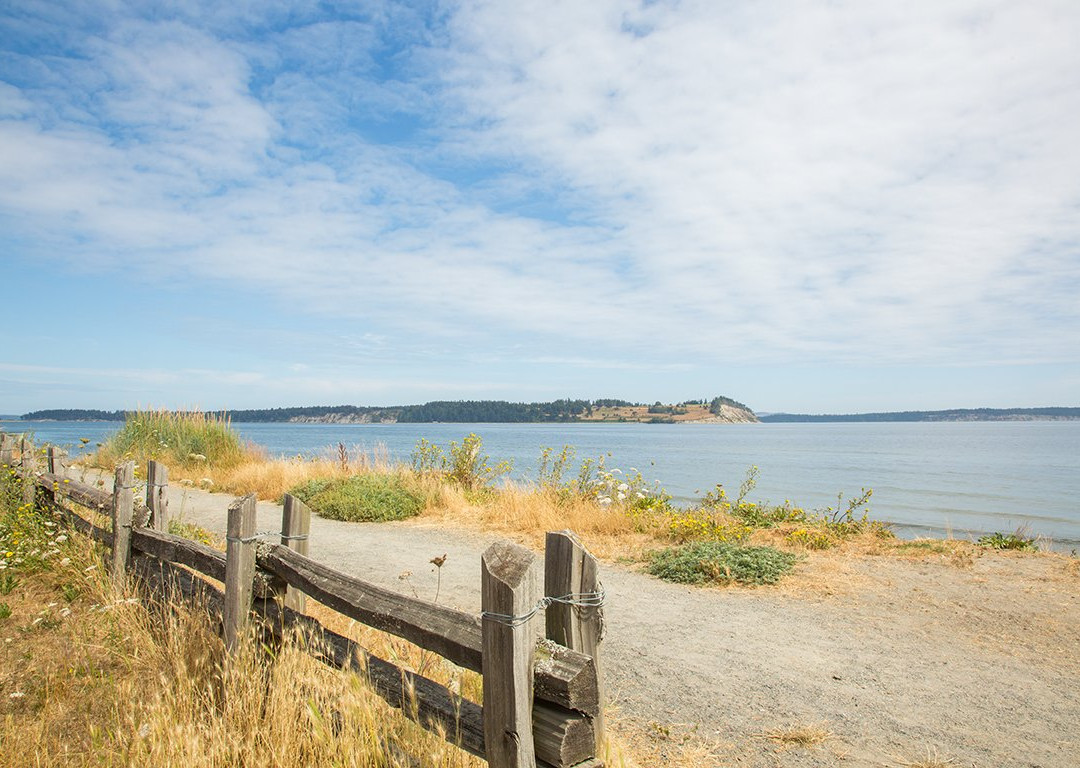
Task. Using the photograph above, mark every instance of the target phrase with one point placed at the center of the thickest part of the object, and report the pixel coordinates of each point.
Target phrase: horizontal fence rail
(542, 699)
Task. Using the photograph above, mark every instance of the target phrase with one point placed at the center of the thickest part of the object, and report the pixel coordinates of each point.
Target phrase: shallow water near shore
(961, 479)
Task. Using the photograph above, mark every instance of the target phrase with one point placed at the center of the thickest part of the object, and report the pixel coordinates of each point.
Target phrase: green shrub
(1008, 541)
(363, 498)
(462, 463)
(720, 562)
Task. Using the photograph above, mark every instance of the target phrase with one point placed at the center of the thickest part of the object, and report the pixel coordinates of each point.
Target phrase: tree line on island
(451, 411)
(610, 409)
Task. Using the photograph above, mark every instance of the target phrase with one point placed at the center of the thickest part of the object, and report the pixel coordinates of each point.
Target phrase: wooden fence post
(157, 496)
(122, 513)
(508, 593)
(7, 449)
(569, 569)
(55, 460)
(295, 529)
(29, 464)
(239, 569)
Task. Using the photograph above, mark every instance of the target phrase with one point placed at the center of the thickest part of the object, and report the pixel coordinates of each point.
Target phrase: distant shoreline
(955, 414)
(697, 413)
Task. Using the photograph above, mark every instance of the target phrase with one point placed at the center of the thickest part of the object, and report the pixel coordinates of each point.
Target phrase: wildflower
(16, 694)
(66, 561)
(61, 538)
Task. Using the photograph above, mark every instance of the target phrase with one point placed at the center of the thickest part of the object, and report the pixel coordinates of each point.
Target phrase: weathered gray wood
(508, 592)
(450, 633)
(86, 495)
(7, 449)
(54, 461)
(239, 569)
(123, 507)
(569, 569)
(563, 677)
(295, 529)
(562, 738)
(28, 462)
(176, 549)
(157, 496)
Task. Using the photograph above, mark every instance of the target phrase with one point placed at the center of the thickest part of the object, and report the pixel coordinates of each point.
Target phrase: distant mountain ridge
(954, 414)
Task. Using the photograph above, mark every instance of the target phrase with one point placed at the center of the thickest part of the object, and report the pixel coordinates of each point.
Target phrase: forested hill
(460, 411)
(956, 414)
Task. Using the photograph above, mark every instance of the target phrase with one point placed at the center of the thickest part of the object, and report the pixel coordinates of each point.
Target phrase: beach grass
(96, 676)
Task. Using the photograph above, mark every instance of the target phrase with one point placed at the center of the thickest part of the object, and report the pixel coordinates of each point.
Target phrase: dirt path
(896, 660)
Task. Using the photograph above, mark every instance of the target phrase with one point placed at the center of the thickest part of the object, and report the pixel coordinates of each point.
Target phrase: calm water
(966, 478)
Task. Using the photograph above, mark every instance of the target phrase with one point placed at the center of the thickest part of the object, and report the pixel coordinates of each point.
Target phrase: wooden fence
(542, 697)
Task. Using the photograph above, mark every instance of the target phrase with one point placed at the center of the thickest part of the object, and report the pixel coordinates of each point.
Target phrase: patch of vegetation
(191, 531)
(374, 497)
(720, 562)
(182, 439)
(924, 545)
(1018, 541)
(461, 463)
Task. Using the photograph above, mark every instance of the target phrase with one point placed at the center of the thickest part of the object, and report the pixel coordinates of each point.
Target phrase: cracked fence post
(157, 496)
(570, 569)
(29, 464)
(295, 528)
(239, 569)
(508, 589)
(122, 512)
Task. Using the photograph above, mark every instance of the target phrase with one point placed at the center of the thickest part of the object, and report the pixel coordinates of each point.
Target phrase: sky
(806, 206)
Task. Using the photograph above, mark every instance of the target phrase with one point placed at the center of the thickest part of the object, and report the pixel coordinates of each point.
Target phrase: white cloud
(843, 181)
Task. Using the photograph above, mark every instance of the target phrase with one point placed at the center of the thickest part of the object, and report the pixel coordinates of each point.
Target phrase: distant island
(715, 410)
(722, 410)
(955, 414)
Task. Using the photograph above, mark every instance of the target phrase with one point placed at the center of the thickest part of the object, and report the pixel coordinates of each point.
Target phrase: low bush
(1018, 541)
(373, 497)
(720, 562)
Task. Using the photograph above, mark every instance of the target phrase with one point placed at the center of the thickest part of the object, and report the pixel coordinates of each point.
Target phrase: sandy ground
(893, 661)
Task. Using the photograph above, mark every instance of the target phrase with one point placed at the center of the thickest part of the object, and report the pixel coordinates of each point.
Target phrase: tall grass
(95, 677)
(182, 439)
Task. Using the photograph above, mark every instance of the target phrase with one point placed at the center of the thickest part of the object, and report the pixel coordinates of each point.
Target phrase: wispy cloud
(675, 181)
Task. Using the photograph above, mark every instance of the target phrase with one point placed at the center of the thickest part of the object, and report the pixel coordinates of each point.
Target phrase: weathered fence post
(122, 512)
(239, 569)
(570, 571)
(7, 449)
(508, 597)
(295, 528)
(55, 460)
(157, 496)
(29, 463)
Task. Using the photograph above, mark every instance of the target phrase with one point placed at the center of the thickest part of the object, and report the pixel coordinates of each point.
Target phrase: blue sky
(808, 206)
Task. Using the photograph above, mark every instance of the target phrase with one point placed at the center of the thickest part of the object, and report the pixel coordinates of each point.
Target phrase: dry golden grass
(528, 513)
(90, 676)
(103, 680)
(809, 735)
(932, 760)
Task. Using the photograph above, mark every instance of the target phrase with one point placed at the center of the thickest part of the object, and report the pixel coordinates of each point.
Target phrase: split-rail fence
(542, 696)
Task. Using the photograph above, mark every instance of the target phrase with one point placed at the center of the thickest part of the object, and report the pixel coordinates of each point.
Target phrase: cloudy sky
(808, 206)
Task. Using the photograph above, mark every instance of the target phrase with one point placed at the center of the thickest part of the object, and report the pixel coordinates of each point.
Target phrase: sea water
(962, 479)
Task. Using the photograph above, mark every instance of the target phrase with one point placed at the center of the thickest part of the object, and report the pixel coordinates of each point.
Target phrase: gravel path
(893, 660)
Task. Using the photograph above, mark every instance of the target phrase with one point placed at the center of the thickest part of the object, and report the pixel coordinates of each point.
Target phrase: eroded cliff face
(344, 418)
(728, 415)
